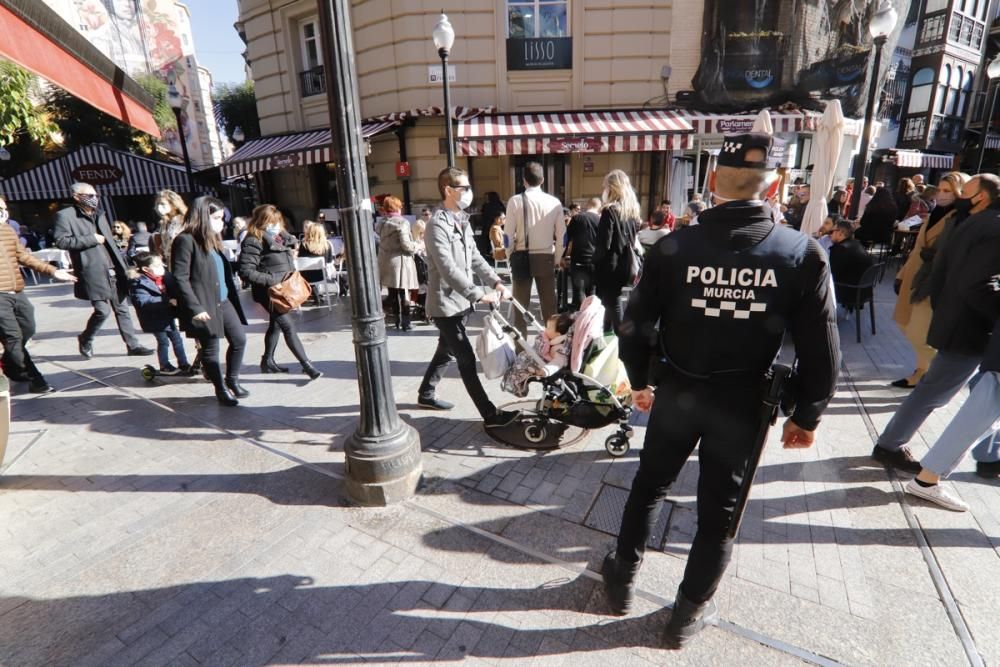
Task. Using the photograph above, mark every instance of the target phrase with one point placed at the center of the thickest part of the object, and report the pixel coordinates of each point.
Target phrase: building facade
(980, 127)
(583, 88)
(154, 36)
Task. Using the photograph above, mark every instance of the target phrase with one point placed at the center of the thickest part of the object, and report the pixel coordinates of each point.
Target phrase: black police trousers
(724, 419)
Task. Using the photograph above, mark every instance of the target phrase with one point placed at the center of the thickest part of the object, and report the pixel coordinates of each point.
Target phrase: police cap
(735, 148)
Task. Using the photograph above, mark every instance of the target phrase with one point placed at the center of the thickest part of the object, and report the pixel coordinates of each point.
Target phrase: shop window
(538, 19)
(920, 92)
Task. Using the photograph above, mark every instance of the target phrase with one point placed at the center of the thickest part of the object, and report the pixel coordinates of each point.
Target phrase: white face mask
(945, 198)
(465, 201)
(217, 224)
(273, 230)
(4, 214)
(163, 209)
(157, 270)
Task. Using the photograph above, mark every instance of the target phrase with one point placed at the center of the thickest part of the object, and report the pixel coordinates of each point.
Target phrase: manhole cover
(556, 434)
(606, 515)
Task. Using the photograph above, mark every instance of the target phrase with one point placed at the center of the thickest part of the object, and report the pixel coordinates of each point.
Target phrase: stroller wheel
(616, 445)
(535, 432)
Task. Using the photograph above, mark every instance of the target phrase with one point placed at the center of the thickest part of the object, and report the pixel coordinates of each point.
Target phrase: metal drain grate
(605, 515)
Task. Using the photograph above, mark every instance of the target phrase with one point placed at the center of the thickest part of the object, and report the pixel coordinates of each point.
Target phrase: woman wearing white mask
(170, 211)
(913, 304)
(266, 257)
(209, 304)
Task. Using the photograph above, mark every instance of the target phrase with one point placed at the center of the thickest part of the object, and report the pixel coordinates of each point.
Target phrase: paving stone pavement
(143, 524)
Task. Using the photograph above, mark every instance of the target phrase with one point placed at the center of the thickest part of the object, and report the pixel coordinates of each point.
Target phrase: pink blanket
(589, 325)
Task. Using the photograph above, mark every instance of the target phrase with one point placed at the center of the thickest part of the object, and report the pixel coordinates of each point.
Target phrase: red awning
(574, 132)
(36, 38)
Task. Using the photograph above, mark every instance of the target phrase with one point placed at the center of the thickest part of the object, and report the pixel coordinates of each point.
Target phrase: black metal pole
(383, 454)
(447, 106)
(987, 124)
(861, 162)
(184, 151)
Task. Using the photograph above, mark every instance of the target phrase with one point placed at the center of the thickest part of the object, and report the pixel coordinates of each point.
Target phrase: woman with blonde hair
(314, 244)
(913, 305)
(266, 257)
(396, 268)
(614, 253)
(170, 209)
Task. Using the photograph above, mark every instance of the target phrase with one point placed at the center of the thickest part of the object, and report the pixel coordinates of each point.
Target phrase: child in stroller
(583, 388)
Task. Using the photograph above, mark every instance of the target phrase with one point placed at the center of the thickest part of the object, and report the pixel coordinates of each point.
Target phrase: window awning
(39, 40)
(574, 132)
(993, 141)
(111, 172)
(290, 150)
(918, 160)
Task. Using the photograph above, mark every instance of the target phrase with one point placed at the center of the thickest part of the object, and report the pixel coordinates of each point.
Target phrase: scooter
(150, 373)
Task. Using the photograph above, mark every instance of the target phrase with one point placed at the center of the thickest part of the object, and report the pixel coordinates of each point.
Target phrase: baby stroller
(569, 396)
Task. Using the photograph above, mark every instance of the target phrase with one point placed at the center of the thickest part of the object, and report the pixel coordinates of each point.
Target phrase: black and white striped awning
(112, 172)
(918, 160)
(993, 141)
(290, 150)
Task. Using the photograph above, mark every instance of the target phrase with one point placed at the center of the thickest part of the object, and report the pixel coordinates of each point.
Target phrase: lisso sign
(541, 53)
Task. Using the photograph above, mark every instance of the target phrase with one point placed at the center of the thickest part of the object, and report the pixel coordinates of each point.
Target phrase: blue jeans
(164, 339)
(948, 373)
(973, 420)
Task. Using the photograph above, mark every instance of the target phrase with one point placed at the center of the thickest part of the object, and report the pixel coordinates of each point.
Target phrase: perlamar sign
(97, 173)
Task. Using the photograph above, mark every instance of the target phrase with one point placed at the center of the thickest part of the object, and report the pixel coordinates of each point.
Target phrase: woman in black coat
(209, 304)
(267, 256)
(879, 219)
(615, 246)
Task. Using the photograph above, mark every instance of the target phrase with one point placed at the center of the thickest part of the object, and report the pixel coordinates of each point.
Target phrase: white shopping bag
(494, 348)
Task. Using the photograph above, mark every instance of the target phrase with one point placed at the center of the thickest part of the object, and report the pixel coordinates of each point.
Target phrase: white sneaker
(939, 494)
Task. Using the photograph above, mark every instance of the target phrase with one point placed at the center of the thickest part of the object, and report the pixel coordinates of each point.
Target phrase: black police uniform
(716, 300)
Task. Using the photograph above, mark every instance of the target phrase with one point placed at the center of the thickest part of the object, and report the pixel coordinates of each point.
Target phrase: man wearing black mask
(964, 316)
(99, 266)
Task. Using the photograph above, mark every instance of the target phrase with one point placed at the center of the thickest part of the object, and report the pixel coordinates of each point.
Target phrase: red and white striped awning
(457, 113)
(290, 150)
(113, 173)
(573, 132)
(918, 160)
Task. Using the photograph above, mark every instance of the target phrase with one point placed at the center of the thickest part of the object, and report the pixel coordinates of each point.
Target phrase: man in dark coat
(848, 262)
(964, 316)
(99, 266)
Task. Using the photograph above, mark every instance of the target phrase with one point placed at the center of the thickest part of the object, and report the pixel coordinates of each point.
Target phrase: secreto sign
(97, 173)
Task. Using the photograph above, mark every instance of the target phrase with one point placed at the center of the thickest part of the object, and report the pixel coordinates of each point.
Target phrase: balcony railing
(313, 81)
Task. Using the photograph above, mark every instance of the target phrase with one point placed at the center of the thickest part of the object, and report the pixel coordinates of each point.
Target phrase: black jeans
(725, 420)
(609, 296)
(102, 311)
(582, 277)
(237, 339)
(453, 344)
(399, 300)
(17, 326)
(284, 324)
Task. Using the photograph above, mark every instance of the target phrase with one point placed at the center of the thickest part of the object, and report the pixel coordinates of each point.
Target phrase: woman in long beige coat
(913, 305)
(396, 268)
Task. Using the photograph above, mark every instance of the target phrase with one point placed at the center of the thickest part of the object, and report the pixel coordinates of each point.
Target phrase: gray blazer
(452, 257)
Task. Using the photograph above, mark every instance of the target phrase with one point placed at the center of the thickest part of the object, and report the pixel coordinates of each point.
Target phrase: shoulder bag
(290, 293)
(520, 262)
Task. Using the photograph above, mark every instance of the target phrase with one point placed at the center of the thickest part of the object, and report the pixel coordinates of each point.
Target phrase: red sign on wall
(97, 173)
(402, 170)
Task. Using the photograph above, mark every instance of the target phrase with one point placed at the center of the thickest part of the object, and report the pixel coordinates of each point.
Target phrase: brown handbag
(290, 293)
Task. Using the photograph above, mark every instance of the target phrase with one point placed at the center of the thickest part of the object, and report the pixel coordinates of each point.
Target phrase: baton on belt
(774, 388)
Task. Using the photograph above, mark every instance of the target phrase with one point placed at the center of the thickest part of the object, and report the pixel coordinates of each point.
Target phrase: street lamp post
(383, 454)
(444, 39)
(882, 24)
(177, 103)
(992, 74)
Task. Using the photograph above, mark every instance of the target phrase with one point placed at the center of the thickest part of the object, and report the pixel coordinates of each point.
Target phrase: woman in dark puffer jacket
(267, 256)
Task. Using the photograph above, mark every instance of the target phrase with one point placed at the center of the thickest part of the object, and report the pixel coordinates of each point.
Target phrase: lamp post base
(385, 470)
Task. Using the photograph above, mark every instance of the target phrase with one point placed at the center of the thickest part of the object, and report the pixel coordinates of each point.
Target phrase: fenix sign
(97, 173)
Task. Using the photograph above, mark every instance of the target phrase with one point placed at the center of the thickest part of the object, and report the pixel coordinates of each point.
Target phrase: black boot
(619, 582)
(214, 373)
(233, 384)
(311, 371)
(267, 365)
(688, 619)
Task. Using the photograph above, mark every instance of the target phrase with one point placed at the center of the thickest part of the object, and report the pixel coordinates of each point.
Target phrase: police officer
(713, 305)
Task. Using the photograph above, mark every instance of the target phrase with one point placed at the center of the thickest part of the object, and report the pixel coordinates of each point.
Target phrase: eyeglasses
(463, 188)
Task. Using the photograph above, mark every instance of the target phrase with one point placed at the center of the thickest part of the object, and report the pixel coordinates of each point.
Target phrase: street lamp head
(238, 135)
(993, 69)
(884, 20)
(174, 98)
(444, 35)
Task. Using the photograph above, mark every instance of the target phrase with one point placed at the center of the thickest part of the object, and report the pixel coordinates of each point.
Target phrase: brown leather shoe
(900, 459)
